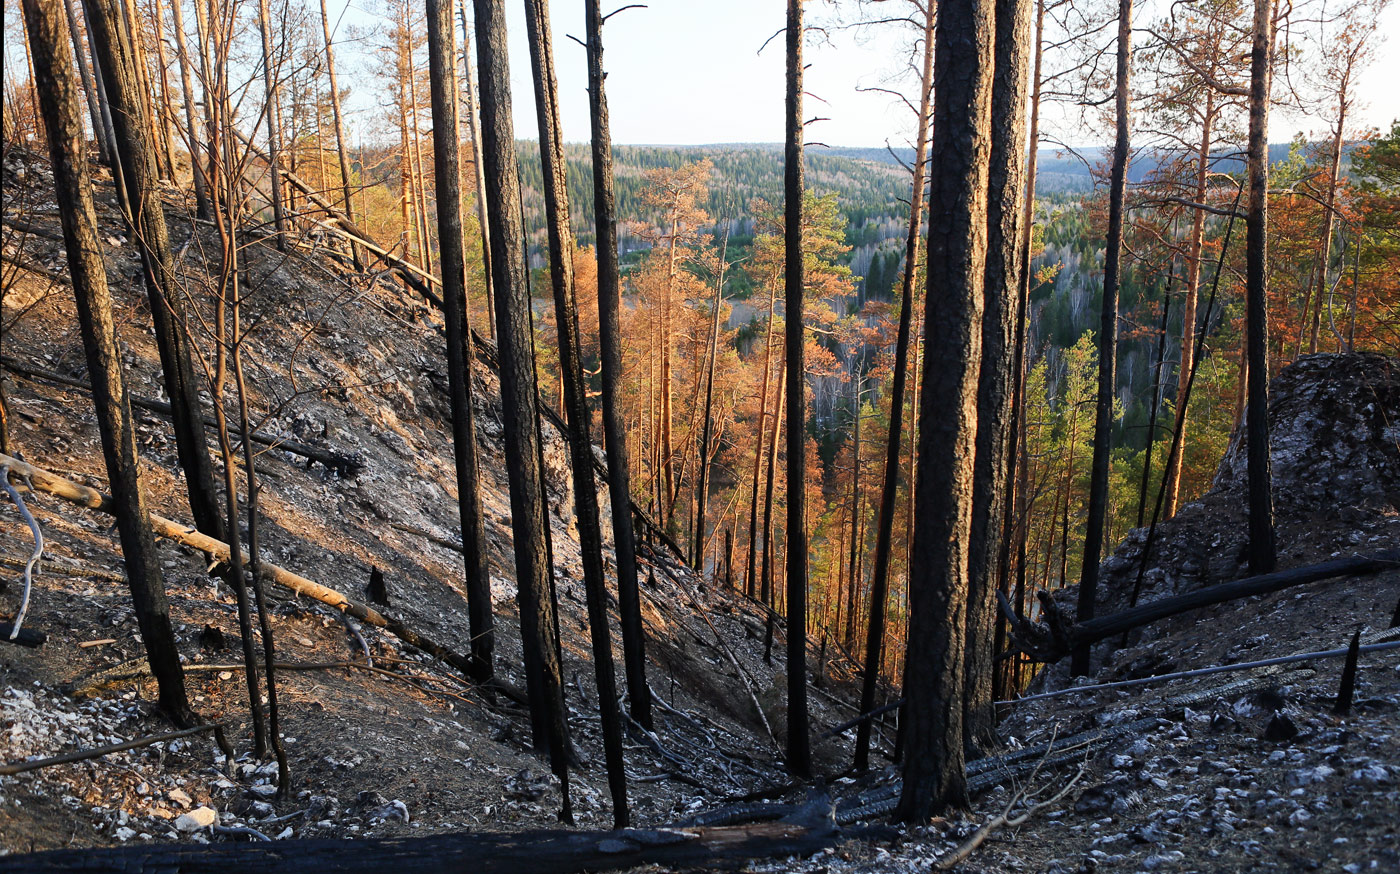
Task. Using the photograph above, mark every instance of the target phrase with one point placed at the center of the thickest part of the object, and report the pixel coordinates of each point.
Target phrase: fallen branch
(97, 752)
(38, 553)
(95, 500)
(347, 465)
(1050, 644)
(1004, 819)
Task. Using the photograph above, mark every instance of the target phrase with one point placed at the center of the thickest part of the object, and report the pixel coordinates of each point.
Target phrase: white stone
(200, 817)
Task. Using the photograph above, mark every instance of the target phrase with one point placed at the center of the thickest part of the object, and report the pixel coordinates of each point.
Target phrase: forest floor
(413, 749)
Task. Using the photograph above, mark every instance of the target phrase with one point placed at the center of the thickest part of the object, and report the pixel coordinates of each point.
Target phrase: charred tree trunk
(749, 587)
(1108, 342)
(448, 167)
(610, 346)
(203, 209)
(1263, 549)
(58, 104)
(707, 427)
(575, 395)
(934, 773)
(519, 395)
(146, 219)
(995, 383)
(799, 754)
(884, 537)
(89, 87)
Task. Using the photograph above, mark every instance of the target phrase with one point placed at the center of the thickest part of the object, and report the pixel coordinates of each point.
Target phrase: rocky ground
(1176, 777)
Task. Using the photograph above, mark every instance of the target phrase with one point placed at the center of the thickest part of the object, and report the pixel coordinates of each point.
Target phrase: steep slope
(351, 364)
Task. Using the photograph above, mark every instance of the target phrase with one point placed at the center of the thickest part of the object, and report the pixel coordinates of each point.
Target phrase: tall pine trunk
(57, 90)
(799, 753)
(561, 246)
(1108, 342)
(1006, 181)
(1263, 549)
(934, 771)
(342, 150)
(519, 394)
(442, 64)
(274, 125)
(610, 348)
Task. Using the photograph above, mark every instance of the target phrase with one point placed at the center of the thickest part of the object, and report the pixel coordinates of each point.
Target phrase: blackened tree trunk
(749, 586)
(561, 254)
(57, 88)
(610, 345)
(518, 390)
(469, 92)
(934, 772)
(1108, 342)
(1006, 181)
(1263, 549)
(442, 63)
(884, 537)
(799, 755)
(115, 50)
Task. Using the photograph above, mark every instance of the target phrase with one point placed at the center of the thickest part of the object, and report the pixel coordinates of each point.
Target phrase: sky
(690, 72)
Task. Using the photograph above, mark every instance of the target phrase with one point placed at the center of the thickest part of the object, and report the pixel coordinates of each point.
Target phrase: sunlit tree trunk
(934, 773)
(342, 148)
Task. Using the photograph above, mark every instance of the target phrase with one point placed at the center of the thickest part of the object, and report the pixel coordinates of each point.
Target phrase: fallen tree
(1054, 639)
(545, 851)
(83, 496)
(347, 465)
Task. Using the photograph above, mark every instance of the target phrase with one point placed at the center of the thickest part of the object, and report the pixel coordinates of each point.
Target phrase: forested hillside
(747, 493)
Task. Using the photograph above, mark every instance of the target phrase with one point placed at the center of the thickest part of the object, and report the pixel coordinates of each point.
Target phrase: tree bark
(203, 209)
(707, 427)
(1006, 180)
(799, 754)
(1108, 341)
(58, 103)
(146, 220)
(934, 775)
(1263, 549)
(561, 245)
(89, 87)
(610, 347)
(519, 394)
(442, 62)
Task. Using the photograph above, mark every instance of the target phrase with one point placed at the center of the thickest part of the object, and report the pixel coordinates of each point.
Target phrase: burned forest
(844, 436)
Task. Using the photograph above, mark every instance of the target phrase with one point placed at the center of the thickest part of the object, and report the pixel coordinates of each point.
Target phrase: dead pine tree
(519, 394)
(561, 246)
(884, 536)
(1108, 340)
(442, 66)
(59, 107)
(1263, 548)
(113, 45)
(799, 752)
(610, 349)
(1006, 188)
(934, 770)
(342, 150)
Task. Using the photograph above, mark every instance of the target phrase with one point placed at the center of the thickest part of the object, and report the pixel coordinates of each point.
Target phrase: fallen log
(9, 770)
(343, 464)
(27, 636)
(544, 851)
(1054, 643)
(83, 496)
